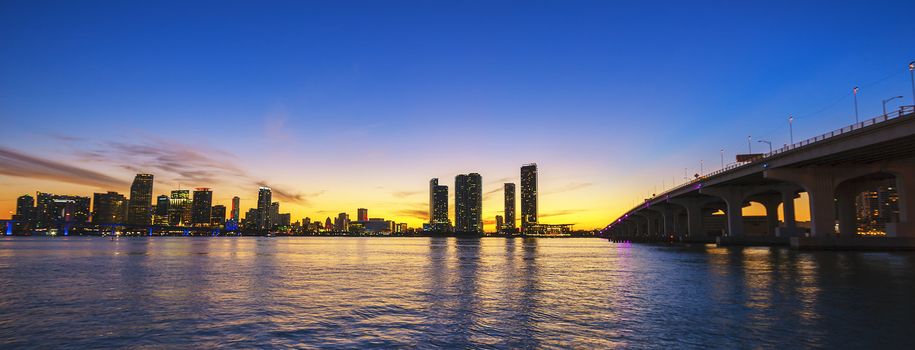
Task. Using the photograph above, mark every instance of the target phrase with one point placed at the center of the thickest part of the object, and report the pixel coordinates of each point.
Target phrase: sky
(339, 105)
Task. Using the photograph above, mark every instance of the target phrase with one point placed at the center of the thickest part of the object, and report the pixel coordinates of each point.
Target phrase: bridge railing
(903, 110)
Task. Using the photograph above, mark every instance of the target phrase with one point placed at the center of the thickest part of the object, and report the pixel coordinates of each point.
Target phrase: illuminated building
(109, 208)
(139, 211)
(179, 208)
(251, 220)
(499, 225)
(218, 216)
(509, 225)
(56, 210)
(876, 208)
(362, 214)
(341, 223)
(235, 208)
(25, 210)
(160, 213)
(528, 195)
(202, 207)
(438, 207)
(283, 219)
(328, 225)
(468, 203)
(274, 214)
(264, 199)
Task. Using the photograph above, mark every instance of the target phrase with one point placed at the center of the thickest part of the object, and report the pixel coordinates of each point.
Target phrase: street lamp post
(722, 158)
(701, 167)
(888, 100)
(855, 92)
(912, 76)
(791, 128)
(749, 144)
(768, 143)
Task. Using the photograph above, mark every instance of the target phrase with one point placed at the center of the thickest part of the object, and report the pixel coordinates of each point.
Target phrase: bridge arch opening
(868, 205)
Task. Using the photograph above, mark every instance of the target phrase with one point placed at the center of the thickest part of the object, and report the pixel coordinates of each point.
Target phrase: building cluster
(468, 207)
(184, 209)
(178, 211)
(876, 208)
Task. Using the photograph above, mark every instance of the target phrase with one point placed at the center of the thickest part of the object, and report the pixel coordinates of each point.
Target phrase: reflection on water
(445, 292)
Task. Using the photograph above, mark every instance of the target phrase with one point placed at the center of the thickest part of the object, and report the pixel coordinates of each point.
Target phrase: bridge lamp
(912, 76)
(768, 143)
(791, 128)
(888, 100)
(855, 92)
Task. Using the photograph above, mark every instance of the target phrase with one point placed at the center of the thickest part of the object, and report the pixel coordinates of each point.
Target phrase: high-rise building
(341, 223)
(55, 210)
(328, 225)
(25, 210)
(235, 208)
(160, 214)
(362, 214)
(284, 219)
(218, 215)
(109, 208)
(468, 203)
(499, 224)
(274, 214)
(202, 207)
(509, 224)
(251, 220)
(179, 208)
(438, 205)
(528, 195)
(139, 211)
(264, 200)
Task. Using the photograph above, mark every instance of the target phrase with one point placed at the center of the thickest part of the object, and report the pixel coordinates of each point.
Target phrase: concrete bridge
(832, 169)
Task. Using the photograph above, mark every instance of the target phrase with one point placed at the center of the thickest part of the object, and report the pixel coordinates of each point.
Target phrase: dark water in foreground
(430, 292)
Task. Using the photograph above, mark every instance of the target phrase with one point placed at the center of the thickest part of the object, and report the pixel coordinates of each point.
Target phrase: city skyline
(363, 118)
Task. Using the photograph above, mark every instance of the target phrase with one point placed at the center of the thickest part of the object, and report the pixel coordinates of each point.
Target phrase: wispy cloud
(19, 164)
(403, 194)
(413, 213)
(287, 195)
(490, 193)
(560, 213)
(570, 187)
(500, 180)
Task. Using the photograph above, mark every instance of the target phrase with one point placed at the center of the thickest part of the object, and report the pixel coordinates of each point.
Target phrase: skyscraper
(109, 208)
(328, 225)
(438, 206)
(363, 214)
(235, 208)
(509, 225)
(218, 216)
(25, 209)
(274, 214)
(264, 199)
(341, 223)
(139, 211)
(160, 214)
(528, 195)
(499, 224)
(202, 207)
(468, 203)
(179, 208)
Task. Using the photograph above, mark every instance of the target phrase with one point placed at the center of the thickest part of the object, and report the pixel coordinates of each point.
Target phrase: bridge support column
(770, 202)
(788, 193)
(733, 197)
(666, 219)
(905, 189)
(845, 200)
(694, 211)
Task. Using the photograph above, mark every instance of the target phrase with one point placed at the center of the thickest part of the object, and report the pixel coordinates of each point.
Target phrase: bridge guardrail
(903, 110)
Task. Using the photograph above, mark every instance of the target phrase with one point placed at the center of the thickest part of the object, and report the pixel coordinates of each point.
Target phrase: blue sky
(348, 102)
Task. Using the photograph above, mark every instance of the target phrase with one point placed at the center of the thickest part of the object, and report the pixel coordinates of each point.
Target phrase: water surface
(81, 292)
